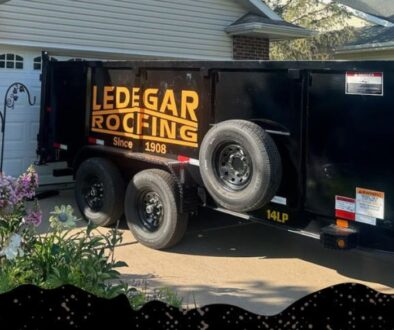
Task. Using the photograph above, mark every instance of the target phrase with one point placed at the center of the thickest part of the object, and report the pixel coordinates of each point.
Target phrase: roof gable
(261, 26)
(379, 8)
(259, 7)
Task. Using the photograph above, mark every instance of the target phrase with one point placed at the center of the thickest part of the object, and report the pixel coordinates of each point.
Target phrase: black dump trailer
(305, 146)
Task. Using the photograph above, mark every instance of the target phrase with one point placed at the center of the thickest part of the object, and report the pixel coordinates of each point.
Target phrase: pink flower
(26, 184)
(34, 218)
(14, 191)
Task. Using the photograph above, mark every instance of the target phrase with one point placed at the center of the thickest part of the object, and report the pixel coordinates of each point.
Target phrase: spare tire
(240, 165)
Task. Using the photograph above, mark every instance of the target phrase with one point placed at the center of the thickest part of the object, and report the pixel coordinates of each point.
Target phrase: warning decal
(370, 203)
(365, 219)
(345, 207)
(364, 83)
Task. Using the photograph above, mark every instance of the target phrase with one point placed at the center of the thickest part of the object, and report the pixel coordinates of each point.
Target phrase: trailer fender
(130, 163)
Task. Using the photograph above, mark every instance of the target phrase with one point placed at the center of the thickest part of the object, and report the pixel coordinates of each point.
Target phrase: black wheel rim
(151, 210)
(93, 193)
(233, 166)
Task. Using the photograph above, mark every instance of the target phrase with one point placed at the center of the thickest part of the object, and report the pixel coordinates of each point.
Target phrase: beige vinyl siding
(373, 54)
(160, 28)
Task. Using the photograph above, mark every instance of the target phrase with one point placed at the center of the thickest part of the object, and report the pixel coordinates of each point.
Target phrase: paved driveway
(224, 260)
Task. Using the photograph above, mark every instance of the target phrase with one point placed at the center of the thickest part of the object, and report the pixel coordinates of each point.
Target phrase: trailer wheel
(100, 191)
(240, 165)
(151, 209)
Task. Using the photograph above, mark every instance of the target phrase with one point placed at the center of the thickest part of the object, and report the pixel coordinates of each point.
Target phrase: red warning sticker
(345, 208)
(364, 83)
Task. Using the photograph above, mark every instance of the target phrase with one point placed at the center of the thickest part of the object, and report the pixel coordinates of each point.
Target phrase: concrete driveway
(225, 260)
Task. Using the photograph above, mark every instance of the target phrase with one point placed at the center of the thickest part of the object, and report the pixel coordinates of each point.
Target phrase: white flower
(63, 217)
(13, 248)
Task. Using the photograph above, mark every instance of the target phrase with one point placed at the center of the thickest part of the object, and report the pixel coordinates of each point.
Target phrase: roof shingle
(373, 35)
(379, 8)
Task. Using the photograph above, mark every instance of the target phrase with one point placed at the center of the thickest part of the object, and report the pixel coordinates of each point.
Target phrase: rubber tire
(265, 159)
(114, 190)
(174, 224)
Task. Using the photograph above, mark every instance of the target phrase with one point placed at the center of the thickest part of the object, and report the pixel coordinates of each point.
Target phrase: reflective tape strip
(188, 160)
(183, 159)
(277, 132)
(60, 146)
(92, 140)
(194, 162)
(279, 200)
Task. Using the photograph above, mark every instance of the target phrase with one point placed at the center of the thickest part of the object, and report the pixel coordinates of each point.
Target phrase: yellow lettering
(188, 134)
(141, 123)
(277, 216)
(190, 103)
(166, 130)
(122, 93)
(154, 126)
(126, 120)
(108, 97)
(118, 142)
(150, 98)
(169, 103)
(95, 105)
(97, 121)
(135, 97)
(113, 122)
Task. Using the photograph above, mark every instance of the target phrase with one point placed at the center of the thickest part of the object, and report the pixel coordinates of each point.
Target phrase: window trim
(11, 61)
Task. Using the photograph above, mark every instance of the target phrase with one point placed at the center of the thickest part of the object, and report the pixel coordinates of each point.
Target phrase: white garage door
(22, 122)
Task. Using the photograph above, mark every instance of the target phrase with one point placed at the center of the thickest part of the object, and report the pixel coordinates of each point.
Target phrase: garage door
(22, 121)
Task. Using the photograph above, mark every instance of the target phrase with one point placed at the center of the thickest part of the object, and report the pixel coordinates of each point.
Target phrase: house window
(37, 63)
(11, 61)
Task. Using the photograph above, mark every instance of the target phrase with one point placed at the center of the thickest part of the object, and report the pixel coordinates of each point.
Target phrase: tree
(329, 20)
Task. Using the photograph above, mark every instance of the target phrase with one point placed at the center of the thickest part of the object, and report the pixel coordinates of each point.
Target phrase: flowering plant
(64, 255)
(17, 219)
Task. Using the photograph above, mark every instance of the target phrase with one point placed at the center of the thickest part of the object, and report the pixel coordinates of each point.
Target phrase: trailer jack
(339, 238)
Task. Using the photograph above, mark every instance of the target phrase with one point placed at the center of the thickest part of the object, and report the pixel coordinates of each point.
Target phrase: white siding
(160, 28)
(22, 122)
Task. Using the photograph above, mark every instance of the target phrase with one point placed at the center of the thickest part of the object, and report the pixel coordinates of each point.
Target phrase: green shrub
(64, 255)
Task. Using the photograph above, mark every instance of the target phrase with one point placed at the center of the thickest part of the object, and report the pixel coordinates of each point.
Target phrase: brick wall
(250, 48)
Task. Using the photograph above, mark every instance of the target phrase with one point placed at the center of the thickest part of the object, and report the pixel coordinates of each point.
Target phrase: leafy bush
(64, 255)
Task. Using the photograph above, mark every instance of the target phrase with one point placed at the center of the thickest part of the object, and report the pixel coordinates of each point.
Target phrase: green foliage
(328, 19)
(83, 258)
(77, 258)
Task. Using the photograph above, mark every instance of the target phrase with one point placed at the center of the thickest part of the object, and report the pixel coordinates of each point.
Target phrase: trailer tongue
(303, 146)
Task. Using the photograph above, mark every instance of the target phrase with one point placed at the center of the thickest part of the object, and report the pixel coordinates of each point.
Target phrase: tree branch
(309, 14)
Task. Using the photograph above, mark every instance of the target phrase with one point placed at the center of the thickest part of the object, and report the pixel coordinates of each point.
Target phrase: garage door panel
(33, 130)
(15, 132)
(23, 120)
(13, 166)
(19, 115)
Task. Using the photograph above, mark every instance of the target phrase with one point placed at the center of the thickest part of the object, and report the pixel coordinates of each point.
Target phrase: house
(375, 41)
(113, 29)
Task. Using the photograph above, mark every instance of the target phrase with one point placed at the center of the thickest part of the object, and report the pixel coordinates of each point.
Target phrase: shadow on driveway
(255, 240)
(221, 236)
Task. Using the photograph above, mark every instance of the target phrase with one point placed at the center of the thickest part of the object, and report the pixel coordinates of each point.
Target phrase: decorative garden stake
(11, 96)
